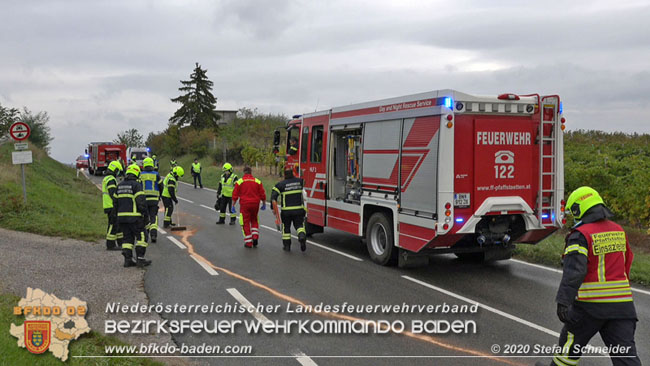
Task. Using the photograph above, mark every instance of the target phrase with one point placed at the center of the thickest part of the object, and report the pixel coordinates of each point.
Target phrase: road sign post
(20, 131)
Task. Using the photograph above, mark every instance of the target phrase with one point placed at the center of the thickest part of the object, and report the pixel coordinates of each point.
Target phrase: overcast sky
(100, 67)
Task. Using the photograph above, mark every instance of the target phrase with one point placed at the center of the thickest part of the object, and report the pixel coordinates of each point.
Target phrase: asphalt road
(208, 264)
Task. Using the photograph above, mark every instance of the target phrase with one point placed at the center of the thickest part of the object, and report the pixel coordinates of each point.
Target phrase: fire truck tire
(379, 240)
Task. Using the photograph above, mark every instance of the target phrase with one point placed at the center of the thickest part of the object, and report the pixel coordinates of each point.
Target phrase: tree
(40, 132)
(197, 103)
(130, 138)
(7, 117)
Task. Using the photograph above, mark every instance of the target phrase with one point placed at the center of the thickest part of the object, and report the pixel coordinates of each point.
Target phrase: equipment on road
(276, 213)
(178, 226)
(436, 172)
(100, 154)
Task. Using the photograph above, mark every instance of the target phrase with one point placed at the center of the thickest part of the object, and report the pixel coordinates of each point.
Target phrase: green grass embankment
(58, 202)
(549, 252)
(91, 344)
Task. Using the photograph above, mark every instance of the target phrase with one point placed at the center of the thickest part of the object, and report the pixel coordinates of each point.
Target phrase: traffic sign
(19, 131)
(21, 157)
(21, 146)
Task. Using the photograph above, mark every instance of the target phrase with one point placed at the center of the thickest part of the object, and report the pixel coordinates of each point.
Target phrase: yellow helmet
(133, 169)
(582, 199)
(178, 171)
(226, 166)
(114, 166)
(147, 162)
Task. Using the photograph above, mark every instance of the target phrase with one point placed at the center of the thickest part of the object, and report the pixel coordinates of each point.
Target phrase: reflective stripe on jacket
(109, 184)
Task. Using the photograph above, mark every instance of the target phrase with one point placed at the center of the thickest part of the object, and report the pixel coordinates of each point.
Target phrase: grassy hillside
(58, 203)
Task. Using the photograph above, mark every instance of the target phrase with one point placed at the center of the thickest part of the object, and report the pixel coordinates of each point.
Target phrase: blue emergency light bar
(459, 220)
(447, 102)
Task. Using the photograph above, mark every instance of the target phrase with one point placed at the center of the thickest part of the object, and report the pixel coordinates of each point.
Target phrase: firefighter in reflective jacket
(196, 172)
(109, 187)
(289, 192)
(151, 184)
(131, 206)
(595, 294)
(224, 194)
(169, 193)
(251, 191)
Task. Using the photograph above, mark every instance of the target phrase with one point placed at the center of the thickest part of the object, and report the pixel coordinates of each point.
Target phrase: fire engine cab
(436, 172)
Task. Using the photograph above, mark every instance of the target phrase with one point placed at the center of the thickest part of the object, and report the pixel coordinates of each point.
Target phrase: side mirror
(276, 138)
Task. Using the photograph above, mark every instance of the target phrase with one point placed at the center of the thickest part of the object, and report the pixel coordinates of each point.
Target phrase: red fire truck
(436, 172)
(102, 153)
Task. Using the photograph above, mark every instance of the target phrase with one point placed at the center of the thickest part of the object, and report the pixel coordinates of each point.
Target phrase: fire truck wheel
(379, 240)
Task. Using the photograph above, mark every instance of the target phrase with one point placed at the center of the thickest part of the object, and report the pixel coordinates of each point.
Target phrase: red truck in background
(436, 172)
(100, 154)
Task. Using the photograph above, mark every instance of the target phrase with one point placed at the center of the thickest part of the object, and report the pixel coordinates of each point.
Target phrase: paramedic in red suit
(250, 191)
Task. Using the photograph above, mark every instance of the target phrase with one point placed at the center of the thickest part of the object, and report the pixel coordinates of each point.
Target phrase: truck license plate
(461, 200)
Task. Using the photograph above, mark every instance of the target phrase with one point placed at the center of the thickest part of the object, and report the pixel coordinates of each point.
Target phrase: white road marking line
(244, 301)
(162, 231)
(184, 199)
(304, 360)
(209, 269)
(560, 271)
(319, 245)
(205, 189)
(178, 243)
(208, 207)
(488, 308)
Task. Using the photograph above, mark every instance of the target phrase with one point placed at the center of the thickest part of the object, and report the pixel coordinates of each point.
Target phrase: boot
(255, 243)
(141, 261)
(302, 238)
(154, 235)
(166, 224)
(222, 220)
(128, 258)
(110, 245)
(286, 245)
(232, 220)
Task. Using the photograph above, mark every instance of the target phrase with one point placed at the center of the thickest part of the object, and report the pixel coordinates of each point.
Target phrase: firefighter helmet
(115, 166)
(133, 169)
(178, 171)
(147, 162)
(227, 166)
(582, 199)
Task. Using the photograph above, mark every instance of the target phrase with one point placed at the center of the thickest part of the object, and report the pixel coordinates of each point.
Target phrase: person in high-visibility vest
(224, 194)
(151, 184)
(155, 162)
(251, 191)
(109, 187)
(196, 172)
(289, 195)
(131, 206)
(169, 194)
(595, 294)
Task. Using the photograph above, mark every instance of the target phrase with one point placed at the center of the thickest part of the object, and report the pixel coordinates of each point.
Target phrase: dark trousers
(295, 217)
(197, 176)
(225, 205)
(111, 229)
(614, 332)
(169, 209)
(152, 227)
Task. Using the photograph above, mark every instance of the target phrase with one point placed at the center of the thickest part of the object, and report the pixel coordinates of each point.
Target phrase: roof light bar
(508, 96)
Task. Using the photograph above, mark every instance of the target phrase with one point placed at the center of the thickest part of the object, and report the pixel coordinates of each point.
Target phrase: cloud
(102, 67)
